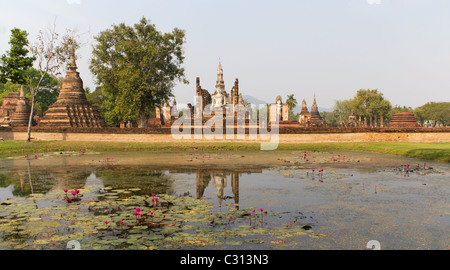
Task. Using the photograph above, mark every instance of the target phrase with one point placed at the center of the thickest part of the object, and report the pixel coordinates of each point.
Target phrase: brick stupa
(22, 113)
(316, 119)
(404, 119)
(72, 108)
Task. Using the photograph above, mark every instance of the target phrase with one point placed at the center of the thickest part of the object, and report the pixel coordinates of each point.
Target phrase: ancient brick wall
(311, 135)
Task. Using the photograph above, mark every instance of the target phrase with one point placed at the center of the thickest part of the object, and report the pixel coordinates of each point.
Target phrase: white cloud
(371, 2)
(73, 2)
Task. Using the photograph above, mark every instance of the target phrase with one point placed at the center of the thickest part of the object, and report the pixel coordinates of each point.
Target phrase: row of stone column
(367, 122)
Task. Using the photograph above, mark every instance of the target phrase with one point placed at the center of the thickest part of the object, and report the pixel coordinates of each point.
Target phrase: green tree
(342, 110)
(366, 103)
(97, 99)
(435, 113)
(291, 102)
(137, 67)
(331, 118)
(370, 103)
(399, 109)
(15, 62)
(48, 93)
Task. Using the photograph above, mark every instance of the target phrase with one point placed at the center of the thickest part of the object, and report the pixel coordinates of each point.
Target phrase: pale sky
(328, 47)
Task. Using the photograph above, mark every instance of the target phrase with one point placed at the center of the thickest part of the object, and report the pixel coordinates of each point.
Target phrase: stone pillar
(375, 121)
(279, 111)
(284, 112)
(167, 113)
(274, 116)
(381, 121)
(174, 109)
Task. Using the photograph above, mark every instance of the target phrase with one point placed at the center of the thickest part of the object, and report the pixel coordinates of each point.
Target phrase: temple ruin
(310, 119)
(279, 111)
(403, 119)
(220, 100)
(22, 113)
(8, 108)
(72, 108)
(316, 120)
(15, 110)
(304, 117)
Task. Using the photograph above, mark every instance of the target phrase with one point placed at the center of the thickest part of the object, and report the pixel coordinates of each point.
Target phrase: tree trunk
(30, 121)
(142, 120)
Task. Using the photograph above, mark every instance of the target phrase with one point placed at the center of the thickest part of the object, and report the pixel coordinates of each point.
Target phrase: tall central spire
(219, 68)
(220, 85)
(72, 64)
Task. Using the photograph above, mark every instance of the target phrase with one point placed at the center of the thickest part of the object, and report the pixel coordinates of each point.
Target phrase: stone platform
(404, 119)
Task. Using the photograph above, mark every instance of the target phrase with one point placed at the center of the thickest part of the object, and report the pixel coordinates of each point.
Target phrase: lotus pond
(215, 200)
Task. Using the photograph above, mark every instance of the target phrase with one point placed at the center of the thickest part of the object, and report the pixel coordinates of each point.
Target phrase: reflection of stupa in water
(219, 182)
(93, 181)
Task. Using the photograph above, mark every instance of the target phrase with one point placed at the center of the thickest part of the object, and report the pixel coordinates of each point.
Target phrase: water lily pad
(233, 243)
(254, 240)
(109, 197)
(154, 237)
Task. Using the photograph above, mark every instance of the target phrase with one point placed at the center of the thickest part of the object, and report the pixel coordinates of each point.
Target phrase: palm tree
(291, 102)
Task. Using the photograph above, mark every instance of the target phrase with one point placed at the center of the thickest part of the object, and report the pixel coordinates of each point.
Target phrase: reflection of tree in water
(41, 182)
(29, 180)
(148, 180)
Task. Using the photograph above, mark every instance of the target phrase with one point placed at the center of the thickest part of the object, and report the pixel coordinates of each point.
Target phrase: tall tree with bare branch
(52, 52)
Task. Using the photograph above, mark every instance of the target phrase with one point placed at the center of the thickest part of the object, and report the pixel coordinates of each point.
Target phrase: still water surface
(352, 200)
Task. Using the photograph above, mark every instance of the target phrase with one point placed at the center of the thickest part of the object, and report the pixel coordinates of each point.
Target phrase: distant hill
(253, 100)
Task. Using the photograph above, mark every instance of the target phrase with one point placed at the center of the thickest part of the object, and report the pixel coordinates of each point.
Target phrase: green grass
(430, 151)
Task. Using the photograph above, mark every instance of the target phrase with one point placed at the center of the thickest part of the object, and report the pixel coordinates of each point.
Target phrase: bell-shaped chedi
(72, 108)
(21, 115)
(316, 119)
